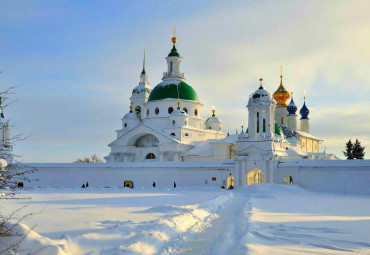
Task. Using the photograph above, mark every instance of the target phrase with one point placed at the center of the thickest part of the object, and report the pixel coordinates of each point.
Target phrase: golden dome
(281, 95)
(174, 40)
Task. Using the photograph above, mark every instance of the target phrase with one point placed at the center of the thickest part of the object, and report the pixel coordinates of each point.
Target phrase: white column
(161, 156)
(269, 132)
(176, 156)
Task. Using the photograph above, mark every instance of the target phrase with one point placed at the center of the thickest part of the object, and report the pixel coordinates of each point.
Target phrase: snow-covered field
(258, 219)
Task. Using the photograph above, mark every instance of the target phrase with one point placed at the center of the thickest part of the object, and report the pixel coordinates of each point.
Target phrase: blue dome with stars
(304, 111)
(292, 108)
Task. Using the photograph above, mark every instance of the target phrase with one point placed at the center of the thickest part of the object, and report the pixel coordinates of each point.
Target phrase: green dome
(169, 90)
(174, 52)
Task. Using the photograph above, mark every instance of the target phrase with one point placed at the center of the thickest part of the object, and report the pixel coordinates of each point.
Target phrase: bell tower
(140, 94)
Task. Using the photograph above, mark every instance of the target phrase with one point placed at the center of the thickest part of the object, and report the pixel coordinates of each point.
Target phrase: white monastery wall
(73, 175)
(338, 176)
(335, 176)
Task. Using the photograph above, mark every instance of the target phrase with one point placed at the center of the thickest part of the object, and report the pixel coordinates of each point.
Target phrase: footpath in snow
(258, 219)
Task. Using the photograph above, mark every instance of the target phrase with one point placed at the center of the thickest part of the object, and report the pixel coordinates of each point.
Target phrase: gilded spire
(174, 39)
(131, 107)
(174, 52)
(281, 95)
(213, 111)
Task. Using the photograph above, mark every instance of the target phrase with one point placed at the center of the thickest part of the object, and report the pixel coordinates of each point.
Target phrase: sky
(75, 63)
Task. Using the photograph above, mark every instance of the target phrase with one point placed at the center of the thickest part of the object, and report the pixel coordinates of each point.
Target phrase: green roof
(164, 90)
(174, 52)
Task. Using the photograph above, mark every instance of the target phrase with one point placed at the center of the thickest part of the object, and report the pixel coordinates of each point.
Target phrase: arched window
(185, 109)
(125, 125)
(173, 123)
(186, 134)
(147, 112)
(173, 134)
(138, 111)
(209, 128)
(150, 156)
(171, 67)
(170, 109)
(186, 122)
(196, 112)
(156, 111)
(282, 119)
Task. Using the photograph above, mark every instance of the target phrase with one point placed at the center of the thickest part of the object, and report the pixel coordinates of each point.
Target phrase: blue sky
(76, 62)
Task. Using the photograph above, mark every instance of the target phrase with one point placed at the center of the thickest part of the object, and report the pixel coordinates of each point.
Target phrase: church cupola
(214, 122)
(174, 62)
(304, 110)
(292, 116)
(305, 121)
(178, 118)
(129, 121)
(292, 108)
(281, 95)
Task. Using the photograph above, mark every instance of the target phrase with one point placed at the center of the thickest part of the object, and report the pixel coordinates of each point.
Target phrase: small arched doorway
(288, 180)
(254, 176)
(230, 182)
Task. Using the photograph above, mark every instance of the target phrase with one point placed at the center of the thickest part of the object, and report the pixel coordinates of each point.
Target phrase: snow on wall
(338, 176)
(142, 174)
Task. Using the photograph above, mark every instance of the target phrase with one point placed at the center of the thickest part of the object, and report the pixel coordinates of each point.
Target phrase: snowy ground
(258, 219)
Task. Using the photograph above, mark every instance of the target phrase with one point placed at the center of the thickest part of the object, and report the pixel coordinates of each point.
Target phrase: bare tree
(92, 159)
(13, 174)
(16, 172)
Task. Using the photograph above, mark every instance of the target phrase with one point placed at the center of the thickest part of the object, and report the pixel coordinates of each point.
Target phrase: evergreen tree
(349, 150)
(358, 150)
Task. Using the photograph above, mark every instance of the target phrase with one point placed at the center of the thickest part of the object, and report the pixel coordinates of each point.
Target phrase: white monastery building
(165, 139)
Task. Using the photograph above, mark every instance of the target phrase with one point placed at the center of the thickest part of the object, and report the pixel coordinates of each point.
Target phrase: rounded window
(150, 156)
(125, 124)
(196, 112)
(186, 134)
(173, 134)
(156, 111)
(170, 110)
(209, 128)
(173, 123)
(185, 109)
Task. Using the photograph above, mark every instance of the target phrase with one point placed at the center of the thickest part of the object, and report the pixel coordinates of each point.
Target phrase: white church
(165, 139)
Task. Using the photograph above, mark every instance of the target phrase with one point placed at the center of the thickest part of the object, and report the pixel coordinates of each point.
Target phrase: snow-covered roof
(304, 134)
(229, 139)
(202, 149)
